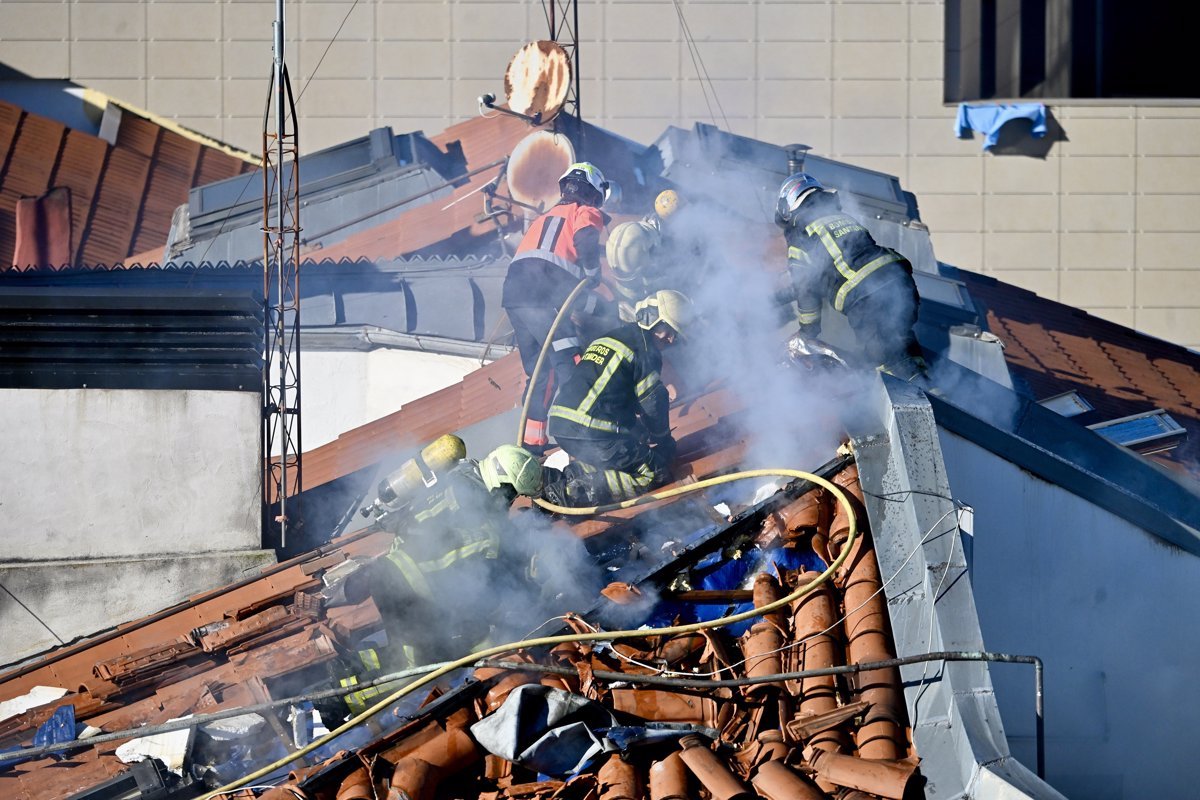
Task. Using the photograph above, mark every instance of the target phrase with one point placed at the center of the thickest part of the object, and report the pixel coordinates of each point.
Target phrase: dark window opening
(1083, 49)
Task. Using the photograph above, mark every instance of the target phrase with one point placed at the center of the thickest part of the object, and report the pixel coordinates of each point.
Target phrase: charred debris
(721, 713)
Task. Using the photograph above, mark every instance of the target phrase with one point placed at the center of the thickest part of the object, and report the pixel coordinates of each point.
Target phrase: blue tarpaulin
(59, 728)
(989, 119)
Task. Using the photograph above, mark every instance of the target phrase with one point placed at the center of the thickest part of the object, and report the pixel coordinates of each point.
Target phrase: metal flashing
(1064, 453)
(956, 723)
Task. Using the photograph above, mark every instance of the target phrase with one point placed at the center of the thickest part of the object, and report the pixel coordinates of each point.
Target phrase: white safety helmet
(794, 191)
(631, 247)
(586, 181)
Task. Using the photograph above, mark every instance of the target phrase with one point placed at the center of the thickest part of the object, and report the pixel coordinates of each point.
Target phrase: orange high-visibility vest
(551, 237)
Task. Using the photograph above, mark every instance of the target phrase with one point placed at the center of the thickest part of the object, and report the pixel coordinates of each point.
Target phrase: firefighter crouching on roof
(450, 514)
(833, 258)
(561, 248)
(611, 415)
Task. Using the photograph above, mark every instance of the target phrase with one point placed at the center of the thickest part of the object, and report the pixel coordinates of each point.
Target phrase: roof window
(1067, 404)
(1148, 433)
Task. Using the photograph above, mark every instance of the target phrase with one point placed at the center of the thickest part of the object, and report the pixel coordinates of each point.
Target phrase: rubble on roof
(283, 635)
(639, 718)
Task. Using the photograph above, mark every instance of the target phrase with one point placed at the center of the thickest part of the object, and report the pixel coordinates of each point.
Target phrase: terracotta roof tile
(77, 170)
(122, 189)
(122, 196)
(138, 134)
(1055, 348)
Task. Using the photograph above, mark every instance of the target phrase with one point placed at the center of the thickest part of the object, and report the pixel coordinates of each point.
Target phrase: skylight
(1151, 432)
(1067, 404)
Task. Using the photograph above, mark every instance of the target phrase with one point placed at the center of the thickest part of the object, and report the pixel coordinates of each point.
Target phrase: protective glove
(664, 448)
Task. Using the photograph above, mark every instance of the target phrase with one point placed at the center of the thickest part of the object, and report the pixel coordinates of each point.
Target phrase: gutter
(365, 338)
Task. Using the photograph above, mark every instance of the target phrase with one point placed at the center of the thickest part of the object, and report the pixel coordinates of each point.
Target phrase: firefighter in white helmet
(561, 248)
(611, 414)
(632, 250)
(832, 258)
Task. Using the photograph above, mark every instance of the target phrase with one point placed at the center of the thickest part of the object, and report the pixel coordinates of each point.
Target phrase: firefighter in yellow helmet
(450, 517)
(611, 414)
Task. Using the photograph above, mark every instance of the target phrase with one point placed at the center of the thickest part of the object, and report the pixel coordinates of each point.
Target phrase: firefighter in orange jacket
(561, 248)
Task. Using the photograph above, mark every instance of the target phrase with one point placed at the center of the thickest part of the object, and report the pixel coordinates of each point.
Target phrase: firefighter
(610, 416)
(452, 532)
(561, 248)
(833, 258)
(632, 250)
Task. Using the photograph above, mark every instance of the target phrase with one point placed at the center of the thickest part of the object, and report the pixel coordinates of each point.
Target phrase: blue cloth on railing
(989, 119)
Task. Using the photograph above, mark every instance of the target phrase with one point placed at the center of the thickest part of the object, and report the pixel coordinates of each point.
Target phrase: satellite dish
(536, 164)
(537, 80)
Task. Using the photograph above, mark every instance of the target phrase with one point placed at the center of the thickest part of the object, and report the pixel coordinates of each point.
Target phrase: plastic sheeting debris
(59, 728)
(37, 696)
(170, 748)
(546, 729)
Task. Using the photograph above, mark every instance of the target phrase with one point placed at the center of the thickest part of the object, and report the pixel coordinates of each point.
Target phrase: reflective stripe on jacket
(452, 523)
(616, 381)
(547, 263)
(829, 258)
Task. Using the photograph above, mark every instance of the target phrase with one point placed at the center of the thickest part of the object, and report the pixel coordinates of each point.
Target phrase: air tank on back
(417, 473)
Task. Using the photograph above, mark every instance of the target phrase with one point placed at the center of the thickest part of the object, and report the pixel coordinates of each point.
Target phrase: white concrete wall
(1110, 608)
(45, 603)
(97, 473)
(1106, 222)
(343, 390)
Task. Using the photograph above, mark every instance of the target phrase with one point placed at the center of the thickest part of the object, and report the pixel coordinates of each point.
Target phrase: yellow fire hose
(597, 636)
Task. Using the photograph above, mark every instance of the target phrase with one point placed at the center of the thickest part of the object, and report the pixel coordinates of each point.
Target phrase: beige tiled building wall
(1108, 221)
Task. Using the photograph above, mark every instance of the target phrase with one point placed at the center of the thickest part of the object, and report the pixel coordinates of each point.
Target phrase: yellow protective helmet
(668, 307)
(630, 248)
(667, 203)
(512, 466)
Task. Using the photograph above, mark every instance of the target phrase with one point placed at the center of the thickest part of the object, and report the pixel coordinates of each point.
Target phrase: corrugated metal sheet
(122, 196)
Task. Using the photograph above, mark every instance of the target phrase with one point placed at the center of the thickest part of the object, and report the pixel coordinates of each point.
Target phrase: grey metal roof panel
(957, 729)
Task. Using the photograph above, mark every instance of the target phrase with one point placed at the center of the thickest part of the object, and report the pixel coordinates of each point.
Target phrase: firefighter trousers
(608, 470)
(531, 326)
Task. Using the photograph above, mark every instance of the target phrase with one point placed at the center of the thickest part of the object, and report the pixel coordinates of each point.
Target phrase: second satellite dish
(536, 164)
(537, 80)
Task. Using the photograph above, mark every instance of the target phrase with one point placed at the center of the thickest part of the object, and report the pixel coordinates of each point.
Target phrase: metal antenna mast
(563, 19)
(281, 295)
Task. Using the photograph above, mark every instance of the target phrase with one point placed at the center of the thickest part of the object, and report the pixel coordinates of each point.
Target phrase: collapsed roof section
(271, 641)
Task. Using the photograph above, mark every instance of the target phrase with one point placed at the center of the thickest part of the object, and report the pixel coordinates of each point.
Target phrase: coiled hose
(597, 636)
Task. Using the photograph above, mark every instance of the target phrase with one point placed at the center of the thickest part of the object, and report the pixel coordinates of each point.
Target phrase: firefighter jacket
(458, 520)
(561, 248)
(832, 257)
(615, 389)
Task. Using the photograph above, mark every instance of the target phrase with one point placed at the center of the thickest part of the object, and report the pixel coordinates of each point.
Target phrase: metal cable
(204, 719)
(845, 669)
